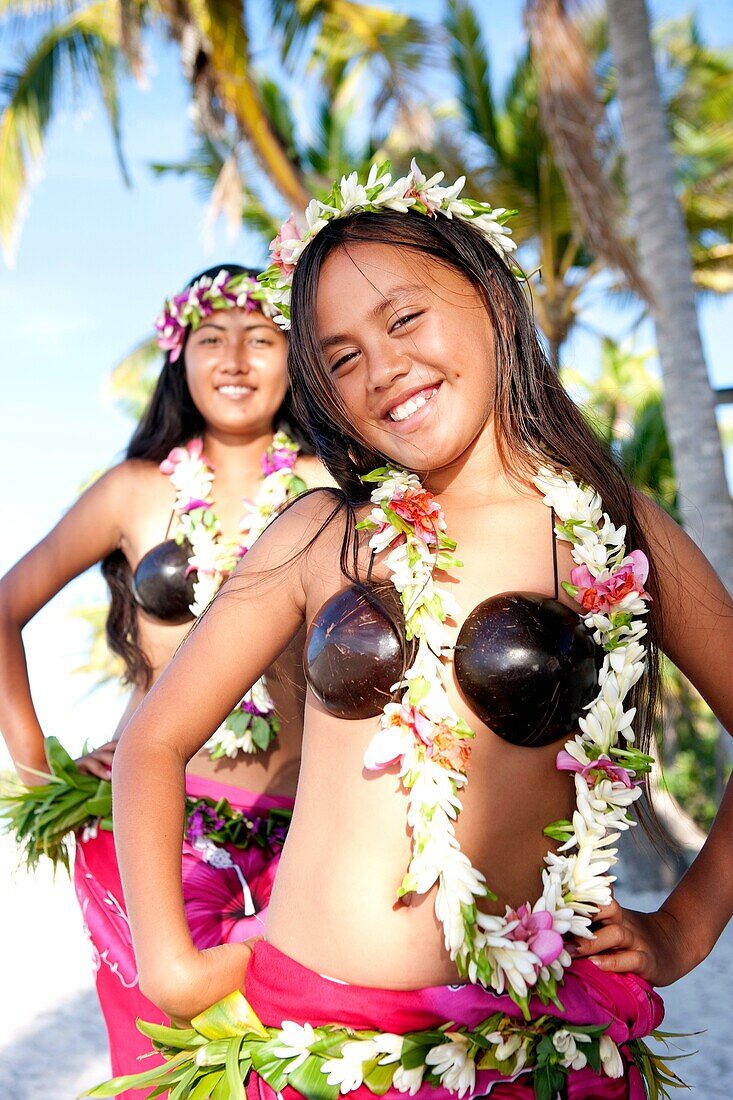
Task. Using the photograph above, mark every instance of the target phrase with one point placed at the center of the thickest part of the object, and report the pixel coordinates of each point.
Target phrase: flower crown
(413, 192)
(189, 308)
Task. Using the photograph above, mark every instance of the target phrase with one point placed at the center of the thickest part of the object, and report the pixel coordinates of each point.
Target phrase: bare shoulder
(314, 473)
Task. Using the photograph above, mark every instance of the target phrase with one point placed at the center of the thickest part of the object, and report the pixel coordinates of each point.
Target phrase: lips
(409, 402)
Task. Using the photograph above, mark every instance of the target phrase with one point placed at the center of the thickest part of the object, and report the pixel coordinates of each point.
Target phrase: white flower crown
(410, 193)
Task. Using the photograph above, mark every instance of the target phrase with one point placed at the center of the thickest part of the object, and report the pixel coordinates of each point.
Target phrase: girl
(486, 600)
(215, 454)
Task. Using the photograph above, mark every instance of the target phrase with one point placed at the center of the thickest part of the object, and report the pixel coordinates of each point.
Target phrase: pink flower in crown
(420, 509)
(602, 768)
(285, 248)
(601, 597)
(193, 449)
(170, 334)
(535, 929)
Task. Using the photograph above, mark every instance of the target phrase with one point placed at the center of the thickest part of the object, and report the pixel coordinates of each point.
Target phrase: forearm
(702, 902)
(149, 809)
(19, 723)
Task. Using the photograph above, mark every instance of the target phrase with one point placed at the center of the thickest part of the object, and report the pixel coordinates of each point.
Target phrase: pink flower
(419, 508)
(284, 248)
(535, 929)
(390, 743)
(603, 767)
(193, 449)
(226, 904)
(602, 596)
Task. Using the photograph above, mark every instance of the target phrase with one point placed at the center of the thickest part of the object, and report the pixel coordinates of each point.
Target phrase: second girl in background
(215, 454)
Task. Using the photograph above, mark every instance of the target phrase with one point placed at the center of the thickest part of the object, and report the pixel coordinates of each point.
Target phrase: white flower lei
(253, 724)
(428, 740)
(413, 192)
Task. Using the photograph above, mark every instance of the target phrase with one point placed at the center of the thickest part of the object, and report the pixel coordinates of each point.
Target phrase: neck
(236, 455)
(477, 475)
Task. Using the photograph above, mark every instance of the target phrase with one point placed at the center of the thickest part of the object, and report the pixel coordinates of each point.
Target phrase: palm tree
(92, 43)
(664, 259)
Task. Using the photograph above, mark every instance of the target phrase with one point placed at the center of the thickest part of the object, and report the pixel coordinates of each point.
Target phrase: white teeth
(234, 389)
(407, 408)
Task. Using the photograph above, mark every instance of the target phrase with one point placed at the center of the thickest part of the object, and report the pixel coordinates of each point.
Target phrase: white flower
(408, 1080)
(453, 1063)
(565, 1043)
(505, 1047)
(611, 1060)
(296, 1041)
(348, 1071)
(390, 1046)
(260, 696)
(229, 743)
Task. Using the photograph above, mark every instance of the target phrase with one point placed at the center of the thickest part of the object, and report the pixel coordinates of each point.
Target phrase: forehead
(238, 318)
(360, 281)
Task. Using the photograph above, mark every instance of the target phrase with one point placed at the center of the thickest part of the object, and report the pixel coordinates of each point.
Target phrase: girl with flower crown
(486, 600)
(216, 453)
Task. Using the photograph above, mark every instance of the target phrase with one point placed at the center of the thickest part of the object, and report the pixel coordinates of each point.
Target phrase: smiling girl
(485, 600)
(208, 464)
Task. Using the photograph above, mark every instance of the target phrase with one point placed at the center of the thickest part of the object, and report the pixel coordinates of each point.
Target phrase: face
(236, 368)
(409, 347)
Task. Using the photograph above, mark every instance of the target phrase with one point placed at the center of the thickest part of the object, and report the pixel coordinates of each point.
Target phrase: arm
(85, 535)
(251, 621)
(698, 638)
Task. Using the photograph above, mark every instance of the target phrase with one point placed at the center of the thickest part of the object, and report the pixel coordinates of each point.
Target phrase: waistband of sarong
(280, 988)
(253, 802)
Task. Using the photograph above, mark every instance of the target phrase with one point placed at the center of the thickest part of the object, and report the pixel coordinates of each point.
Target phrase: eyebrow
(222, 328)
(381, 307)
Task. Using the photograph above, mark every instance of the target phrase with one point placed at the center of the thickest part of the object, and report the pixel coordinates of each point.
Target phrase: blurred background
(144, 140)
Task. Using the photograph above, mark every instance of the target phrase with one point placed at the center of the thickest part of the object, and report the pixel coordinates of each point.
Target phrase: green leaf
(310, 1080)
(261, 732)
(230, 1016)
(380, 1078)
(234, 1080)
(206, 1085)
(181, 1089)
(173, 1037)
(140, 1080)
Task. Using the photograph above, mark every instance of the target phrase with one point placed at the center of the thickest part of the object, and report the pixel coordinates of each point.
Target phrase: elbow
(174, 994)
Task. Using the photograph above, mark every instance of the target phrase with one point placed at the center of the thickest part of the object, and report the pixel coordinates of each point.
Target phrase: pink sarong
(226, 892)
(278, 988)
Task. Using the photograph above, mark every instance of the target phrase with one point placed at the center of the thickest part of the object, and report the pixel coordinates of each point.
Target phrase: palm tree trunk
(664, 259)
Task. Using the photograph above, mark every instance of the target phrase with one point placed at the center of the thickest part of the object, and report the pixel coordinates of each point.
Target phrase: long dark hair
(170, 420)
(535, 418)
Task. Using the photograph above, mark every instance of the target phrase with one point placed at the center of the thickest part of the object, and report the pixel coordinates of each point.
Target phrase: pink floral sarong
(278, 988)
(226, 891)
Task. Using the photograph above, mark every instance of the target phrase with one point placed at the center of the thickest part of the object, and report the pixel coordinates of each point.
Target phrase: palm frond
(131, 381)
(571, 114)
(470, 63)
(82, 46)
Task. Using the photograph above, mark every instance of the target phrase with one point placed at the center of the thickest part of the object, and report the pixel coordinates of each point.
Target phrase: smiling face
(236, 369)
(409, 348)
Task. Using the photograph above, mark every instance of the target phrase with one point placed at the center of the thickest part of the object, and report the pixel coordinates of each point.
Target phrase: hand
(99, 761)
(651, 945)
(184, 986)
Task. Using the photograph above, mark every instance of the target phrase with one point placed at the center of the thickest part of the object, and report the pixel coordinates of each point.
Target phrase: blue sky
(94, 262)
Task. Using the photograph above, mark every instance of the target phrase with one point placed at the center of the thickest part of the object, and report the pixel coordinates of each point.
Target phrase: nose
(237, 358)
(385, 367)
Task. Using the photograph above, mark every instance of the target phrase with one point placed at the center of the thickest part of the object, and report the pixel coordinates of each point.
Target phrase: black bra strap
(372, 556)
(170, 521)
(554, 554)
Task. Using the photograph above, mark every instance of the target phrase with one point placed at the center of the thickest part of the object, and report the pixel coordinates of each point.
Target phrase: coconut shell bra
(163, 583)
(525, 663)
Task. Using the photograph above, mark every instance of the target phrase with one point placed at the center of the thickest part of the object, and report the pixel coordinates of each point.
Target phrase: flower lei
(253, 724)
(412, 192)
(189, 308)
(224, 1044)
(522, 951)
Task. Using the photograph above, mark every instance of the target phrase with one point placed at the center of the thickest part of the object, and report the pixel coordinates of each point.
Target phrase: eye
(209, 340)
(343, 360)
(261, 342)
(402, 322)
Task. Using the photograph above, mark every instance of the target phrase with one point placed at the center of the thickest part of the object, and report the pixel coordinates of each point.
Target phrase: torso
(150, 512)
(349, 826)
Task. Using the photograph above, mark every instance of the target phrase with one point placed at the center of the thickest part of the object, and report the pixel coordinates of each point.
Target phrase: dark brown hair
(170, 420)
(535, 418)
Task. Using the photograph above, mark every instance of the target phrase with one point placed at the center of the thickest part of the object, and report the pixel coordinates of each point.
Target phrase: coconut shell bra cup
(525, 663)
